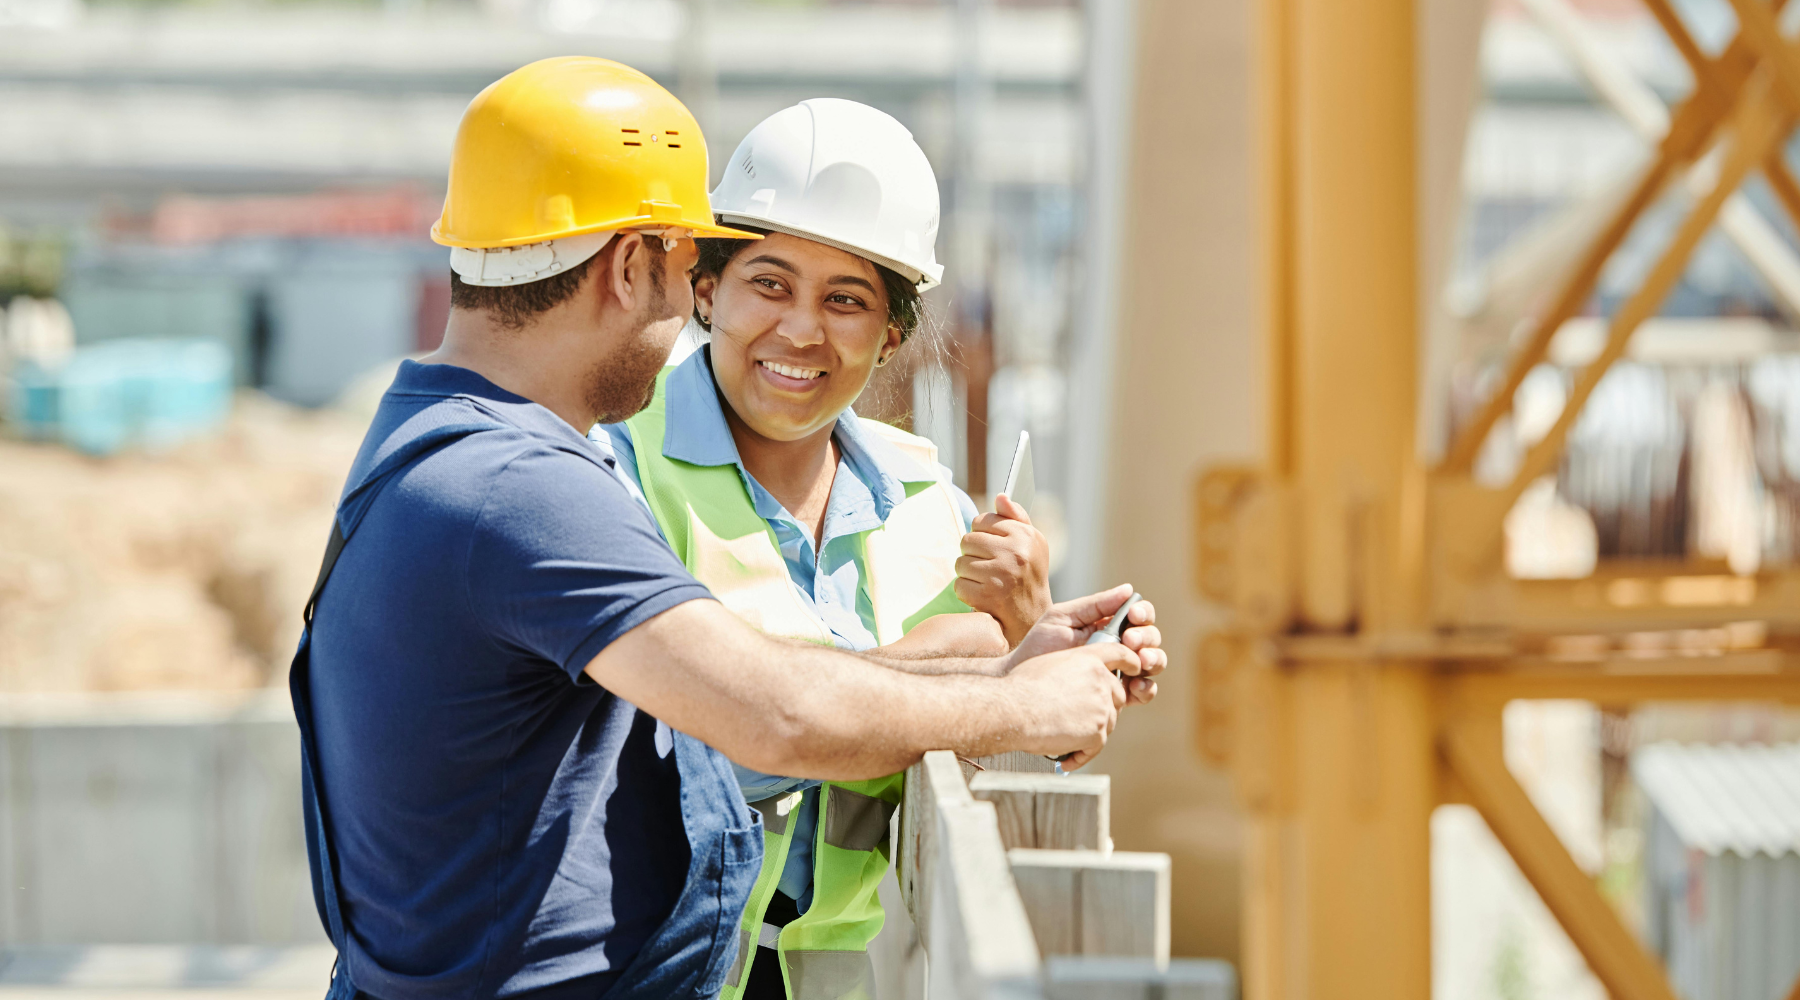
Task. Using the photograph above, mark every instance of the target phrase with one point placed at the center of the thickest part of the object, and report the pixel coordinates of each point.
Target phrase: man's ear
(623, 272)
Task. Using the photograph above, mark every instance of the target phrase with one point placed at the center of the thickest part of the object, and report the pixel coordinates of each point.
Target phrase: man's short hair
(514, 306)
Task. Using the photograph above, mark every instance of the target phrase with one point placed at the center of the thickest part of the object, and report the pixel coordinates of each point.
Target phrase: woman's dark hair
(904, 308)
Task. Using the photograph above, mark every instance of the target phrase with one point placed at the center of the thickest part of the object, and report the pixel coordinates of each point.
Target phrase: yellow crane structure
(1375, 634)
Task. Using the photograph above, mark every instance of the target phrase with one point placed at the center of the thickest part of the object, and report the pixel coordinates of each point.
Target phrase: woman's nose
(802, 328)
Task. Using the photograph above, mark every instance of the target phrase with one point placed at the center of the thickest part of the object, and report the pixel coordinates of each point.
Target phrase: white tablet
(1021, 485)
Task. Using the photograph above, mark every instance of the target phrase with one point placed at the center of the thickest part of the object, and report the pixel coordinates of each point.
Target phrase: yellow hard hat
(574, 145)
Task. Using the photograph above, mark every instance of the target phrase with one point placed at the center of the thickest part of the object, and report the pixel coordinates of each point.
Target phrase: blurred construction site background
(213, 254)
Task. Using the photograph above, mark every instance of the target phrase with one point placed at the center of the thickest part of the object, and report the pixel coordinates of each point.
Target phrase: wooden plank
(915, 808)
(1473, 746)
(935, 781)
(1087, 978)
(1017, 762)
(1094, 903)
(979, 939)
(1050, 811)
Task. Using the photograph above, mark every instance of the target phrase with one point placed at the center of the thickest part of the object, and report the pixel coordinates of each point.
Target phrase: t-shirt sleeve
(563, 560)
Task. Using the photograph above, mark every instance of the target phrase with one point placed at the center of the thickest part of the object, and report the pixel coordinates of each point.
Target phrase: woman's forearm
(947, 644)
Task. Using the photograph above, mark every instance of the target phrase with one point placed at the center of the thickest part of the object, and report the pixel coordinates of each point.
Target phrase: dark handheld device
(1108, 633)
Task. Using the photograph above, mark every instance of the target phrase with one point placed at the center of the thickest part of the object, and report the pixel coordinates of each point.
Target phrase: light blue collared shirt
(871, 481)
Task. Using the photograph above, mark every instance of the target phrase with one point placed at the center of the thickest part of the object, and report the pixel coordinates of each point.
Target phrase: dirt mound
(184, 570)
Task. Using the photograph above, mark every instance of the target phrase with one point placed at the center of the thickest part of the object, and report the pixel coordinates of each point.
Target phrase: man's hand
(1070, 623)
(1076, 699)
(787, 707)
(1005, 569)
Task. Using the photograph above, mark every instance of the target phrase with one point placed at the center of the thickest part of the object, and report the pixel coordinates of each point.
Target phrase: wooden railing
(1009, 874)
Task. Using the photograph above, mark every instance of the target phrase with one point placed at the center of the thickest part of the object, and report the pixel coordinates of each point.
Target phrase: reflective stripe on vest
(908, 575)
(829, 975)
(775, 814)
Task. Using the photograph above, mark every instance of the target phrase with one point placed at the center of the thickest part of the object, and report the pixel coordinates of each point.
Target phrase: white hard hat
(843, 174)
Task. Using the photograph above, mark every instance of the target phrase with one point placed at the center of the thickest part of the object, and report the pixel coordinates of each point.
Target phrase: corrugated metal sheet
(1741, 799)
(1722, 867)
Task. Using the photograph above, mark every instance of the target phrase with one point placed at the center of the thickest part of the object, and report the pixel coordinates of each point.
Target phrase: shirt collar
(452, 381)
(695, 432)
(416, 379)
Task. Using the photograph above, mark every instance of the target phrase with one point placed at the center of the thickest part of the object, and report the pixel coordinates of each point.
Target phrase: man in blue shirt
(511, 691)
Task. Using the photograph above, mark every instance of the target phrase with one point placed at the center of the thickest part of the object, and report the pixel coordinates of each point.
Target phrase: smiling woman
(810, 521)
(798, 328)
(905, 308)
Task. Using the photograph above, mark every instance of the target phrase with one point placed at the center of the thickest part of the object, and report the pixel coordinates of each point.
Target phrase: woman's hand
(1005, 569)
(1070, 623)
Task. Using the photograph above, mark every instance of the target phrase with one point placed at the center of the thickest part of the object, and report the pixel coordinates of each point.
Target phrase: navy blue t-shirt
(501, 824)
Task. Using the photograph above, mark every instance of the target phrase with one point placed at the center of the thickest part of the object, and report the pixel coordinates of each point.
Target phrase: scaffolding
(1375, 633)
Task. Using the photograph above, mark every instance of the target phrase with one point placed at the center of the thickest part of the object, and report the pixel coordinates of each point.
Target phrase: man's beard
(624, 383)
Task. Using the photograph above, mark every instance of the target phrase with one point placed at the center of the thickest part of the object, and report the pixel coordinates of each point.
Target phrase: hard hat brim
(921, 280)
(725, 232)
(636, 222)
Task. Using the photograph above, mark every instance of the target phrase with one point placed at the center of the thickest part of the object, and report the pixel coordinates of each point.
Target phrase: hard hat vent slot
(674, 145)
(631, 130)
(634, 144)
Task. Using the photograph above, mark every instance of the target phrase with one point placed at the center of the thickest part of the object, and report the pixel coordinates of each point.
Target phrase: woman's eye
(842, 299)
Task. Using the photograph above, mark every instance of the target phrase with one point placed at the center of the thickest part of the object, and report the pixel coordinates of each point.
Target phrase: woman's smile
(790, 376)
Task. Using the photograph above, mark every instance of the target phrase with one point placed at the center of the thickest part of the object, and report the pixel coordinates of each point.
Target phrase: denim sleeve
(964, 506)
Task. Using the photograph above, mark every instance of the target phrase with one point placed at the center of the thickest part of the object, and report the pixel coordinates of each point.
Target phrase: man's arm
(803, 710)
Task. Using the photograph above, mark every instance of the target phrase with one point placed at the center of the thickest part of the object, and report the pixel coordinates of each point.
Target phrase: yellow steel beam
(1335, 762)
(1340, 788)
(1352, 146)
(1621, 597)
(1674, 27)
(1757, 21)
(1275, 200)
(1335, 736)
(1574, 294)
(1609, 685)
(1781, 181)
(1694, 124)
(1473, 747)
(1774, 167)
(1755, 129)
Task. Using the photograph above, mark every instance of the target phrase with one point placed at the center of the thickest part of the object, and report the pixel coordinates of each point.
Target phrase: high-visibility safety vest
(908, 574)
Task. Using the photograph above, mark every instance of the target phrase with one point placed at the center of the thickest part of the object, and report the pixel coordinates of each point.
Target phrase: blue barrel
(33, 405)
(119, 394)
(189, 393)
